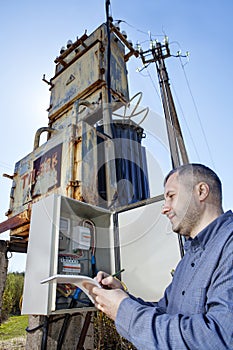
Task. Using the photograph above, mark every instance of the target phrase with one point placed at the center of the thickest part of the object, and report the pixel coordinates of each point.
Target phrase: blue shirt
(196, 311)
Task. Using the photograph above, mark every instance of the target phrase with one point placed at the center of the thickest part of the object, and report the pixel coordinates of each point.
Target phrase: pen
(118, 273)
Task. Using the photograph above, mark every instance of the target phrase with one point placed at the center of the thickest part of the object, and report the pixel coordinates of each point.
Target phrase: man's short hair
(199, 173)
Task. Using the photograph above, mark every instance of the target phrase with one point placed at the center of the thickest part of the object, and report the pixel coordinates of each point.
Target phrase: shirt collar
(201, 240)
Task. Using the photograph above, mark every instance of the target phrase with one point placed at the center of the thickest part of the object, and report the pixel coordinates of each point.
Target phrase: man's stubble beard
(189, 219)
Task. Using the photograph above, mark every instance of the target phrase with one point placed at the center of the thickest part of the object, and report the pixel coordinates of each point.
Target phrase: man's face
(181, 205)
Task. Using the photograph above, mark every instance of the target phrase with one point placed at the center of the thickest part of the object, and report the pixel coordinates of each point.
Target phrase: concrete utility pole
(3, 271)
(157, 54)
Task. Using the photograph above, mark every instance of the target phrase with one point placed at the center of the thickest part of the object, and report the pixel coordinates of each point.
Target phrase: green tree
(12, 295)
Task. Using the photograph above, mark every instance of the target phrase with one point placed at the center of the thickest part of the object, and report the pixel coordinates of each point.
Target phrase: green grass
(13, 327)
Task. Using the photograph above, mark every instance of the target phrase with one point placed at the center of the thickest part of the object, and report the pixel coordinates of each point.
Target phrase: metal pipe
(83, 334)
(45, 334)
(108, 51)
(38, 134)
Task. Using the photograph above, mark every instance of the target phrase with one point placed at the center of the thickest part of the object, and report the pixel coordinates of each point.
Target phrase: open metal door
(149, 250)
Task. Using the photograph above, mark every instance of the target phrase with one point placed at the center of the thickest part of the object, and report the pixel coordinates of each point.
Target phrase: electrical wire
(65, 326)
(45, 330)
(197, 113)
(46, 324)
(31, 330)
(93, 244)
(185, 121)
(137, 29)
(189, 88)
(88, 222)
(5, 165)
(152, 82)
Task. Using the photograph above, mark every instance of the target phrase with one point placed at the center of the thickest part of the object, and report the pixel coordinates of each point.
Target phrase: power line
(197, 113)
(189, 88)
(5, 166)
(185, 121)
(137, 29)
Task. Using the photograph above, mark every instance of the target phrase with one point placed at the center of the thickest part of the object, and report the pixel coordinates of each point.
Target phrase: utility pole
(157, 54)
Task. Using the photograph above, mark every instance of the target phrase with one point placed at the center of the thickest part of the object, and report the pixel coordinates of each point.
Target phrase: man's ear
(203, 190)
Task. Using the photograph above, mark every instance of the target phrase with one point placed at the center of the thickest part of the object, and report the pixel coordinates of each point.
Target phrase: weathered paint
(86, 69)
(67, 163)
(86, 164)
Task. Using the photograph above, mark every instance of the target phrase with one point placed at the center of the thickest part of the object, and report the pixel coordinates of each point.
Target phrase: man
(196, 311)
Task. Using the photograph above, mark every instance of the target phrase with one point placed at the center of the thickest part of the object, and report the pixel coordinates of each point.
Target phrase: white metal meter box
(71, 237)
(66, 237)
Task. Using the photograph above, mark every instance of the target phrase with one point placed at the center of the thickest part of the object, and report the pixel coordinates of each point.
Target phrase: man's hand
(108, 301)
(108, 281)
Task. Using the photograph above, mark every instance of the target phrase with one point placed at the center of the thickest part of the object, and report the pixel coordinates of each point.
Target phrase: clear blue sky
(32, 33)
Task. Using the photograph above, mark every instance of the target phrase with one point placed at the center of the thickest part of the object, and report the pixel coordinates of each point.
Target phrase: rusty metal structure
(78, 159)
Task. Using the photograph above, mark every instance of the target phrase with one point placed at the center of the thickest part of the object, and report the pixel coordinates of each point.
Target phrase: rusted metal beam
(77, 43)
(77, 56)
(17, 247)
(60, 60)
(124, 40)
(128, 55)
(89, 90)
(15, 221)
(22, 231)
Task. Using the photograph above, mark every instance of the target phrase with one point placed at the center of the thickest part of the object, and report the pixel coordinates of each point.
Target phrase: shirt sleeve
(161, 305)
(150, 327)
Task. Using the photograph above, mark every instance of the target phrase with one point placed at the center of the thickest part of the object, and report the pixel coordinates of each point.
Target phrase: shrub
(12, 295)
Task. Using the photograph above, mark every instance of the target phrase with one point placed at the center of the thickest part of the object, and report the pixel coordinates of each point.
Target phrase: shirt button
(183, 292)
(193, 264)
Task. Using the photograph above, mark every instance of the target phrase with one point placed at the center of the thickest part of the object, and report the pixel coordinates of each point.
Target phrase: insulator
(138, 47)
(124, 34)
(69, 43)
(130, 42)
(62, 50)
(165, 39)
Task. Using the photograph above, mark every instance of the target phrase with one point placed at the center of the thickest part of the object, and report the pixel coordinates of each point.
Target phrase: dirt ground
(13, 344)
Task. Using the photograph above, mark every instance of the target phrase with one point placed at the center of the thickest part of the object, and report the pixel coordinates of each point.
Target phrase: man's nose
(165, 209)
